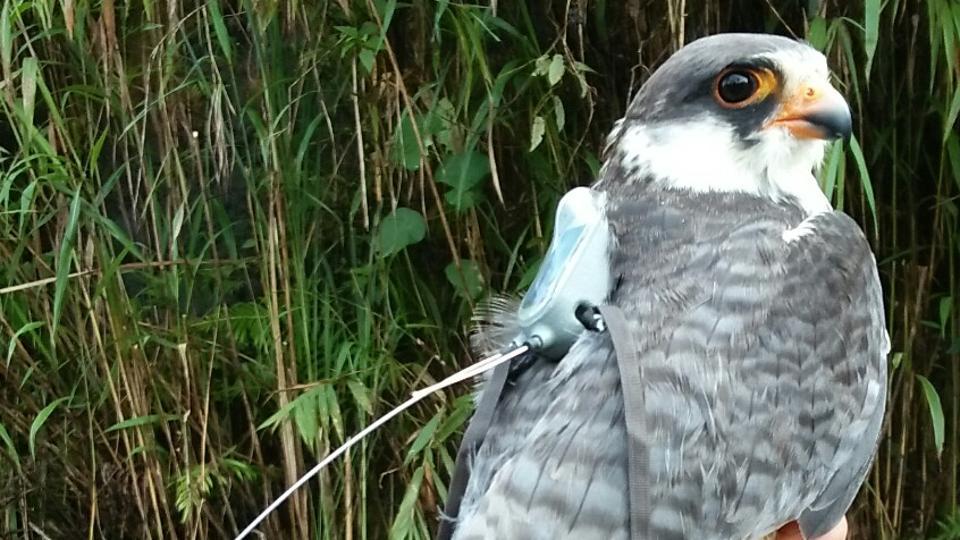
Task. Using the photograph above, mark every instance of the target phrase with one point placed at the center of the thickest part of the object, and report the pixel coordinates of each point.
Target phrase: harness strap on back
(634, 417)
(613, 321)
(471, 442)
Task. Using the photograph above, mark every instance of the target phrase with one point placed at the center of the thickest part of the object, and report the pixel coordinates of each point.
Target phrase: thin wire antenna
(462, 375)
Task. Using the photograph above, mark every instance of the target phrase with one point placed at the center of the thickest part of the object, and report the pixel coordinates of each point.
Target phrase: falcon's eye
(738, 87)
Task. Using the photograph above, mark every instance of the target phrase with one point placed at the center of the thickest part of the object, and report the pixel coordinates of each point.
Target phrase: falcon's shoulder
(838, 251)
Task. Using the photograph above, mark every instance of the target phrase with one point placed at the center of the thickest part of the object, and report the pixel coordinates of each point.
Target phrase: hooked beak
(815, 111)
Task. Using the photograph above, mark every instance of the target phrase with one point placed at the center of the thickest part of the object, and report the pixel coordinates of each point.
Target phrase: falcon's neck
(704, 156)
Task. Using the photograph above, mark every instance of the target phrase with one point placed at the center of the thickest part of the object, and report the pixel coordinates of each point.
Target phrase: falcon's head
(747, 113)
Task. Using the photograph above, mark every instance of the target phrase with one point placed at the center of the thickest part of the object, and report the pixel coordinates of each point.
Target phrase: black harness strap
(471, 442)
(613, 322)
(631, 384)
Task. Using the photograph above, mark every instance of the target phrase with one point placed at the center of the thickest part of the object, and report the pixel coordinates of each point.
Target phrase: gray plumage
(761, 343)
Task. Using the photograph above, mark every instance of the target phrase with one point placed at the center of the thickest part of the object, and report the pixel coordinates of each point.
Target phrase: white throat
(704, 155)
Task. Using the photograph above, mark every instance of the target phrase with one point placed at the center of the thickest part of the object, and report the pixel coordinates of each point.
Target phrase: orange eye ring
(738, 87)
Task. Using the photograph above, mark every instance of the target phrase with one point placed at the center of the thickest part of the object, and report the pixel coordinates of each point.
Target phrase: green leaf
(462, 200)
(871, 27)
(27, 328)
(865, 181)
(559, 115)
(936, 412)
(468, 280)
(406, 151)
(946, 306)
(555, 71)
(402, 228)
(333, 409)
(440, 124)
(952, 114)
(305, 416)
(817, 34)
(64, 261)
(6, 37)
(403, 523)
(361, 395)
(895, 360)
(142, 421)
(463, 172)
(367, 58)
(276, 418)
(423, 438)
(462, 409)
(953, 152)
(39, 421)
(11, 448)
(28, 87)
(831, 171)
(220, 29)
(537, 130)
(541, 65)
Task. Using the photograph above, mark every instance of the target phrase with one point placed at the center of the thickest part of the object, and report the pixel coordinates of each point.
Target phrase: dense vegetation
(232, 233)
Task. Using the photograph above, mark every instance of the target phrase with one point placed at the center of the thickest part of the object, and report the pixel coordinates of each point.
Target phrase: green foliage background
(232, 233)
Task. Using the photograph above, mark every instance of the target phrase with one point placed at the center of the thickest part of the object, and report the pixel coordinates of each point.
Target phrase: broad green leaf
(541, 65)
(462, 200)
(896, 359)
(333, 410)
(817, 34)
(555, 71)
(559, 115)
(403, 227)
(936, 412)
(386, 8)
(580, 69)
(361, 395)
(463, 172)
(367, 58)
(468, 280)
(405, 150)
(39, 421)
(440, 124)
(305, 416)
(537, 130)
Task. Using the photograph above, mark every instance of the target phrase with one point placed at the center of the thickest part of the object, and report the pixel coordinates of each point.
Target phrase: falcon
(755, 315)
